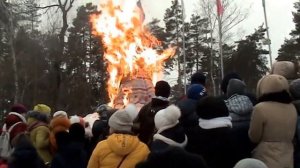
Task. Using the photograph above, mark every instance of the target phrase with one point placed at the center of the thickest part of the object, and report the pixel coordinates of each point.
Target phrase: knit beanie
(250, 163)
(196, 92)
(211, 107)
(19, 108)
(227, 78)
(235, 86)
(167, 118)
(198, 78)
(122, 120)
(42, 108)
(295, 89)
(163, 89)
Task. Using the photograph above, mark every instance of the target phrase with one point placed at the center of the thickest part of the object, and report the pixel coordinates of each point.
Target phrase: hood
(34, 116)
(271, 84)
(239, 105)
(295, 89)
(235, 86)
(226, 79)
(122, 144)
(61, 122)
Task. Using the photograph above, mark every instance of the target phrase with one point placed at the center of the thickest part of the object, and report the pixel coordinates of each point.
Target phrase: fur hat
(212, 107)
(18, 108)
(227, 78)
(77, 119)
(286, 69)
(167, 118)
(271, 84)
(122, 120)
(235, 86)
(295, 89)
(163, 89)
(60, 114)
(42, 108)
(196, 92)
(250, 163)
(198, 78)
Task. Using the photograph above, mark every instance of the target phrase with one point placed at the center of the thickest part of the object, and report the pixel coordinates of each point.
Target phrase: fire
(130, 48)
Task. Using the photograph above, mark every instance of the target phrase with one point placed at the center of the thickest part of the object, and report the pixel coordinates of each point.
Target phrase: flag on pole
(142, 13)
(220, 8)
(263, 3)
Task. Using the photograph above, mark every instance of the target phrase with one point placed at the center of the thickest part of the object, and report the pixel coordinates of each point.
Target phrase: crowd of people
(236, 130)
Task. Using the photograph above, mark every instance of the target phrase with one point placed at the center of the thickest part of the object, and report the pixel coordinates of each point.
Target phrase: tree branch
(46, 7)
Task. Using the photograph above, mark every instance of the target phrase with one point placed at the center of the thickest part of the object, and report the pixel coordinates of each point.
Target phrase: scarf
(215, 122)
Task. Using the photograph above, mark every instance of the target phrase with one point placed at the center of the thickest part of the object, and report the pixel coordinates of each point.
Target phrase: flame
(129, 47)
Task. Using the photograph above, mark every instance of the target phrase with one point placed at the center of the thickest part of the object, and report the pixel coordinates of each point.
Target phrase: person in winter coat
(250, 163)
(24, 154)
(39, 130)
(273, 123)
(59, 122)
(211, 138)
(144, 123)
(240, 108)
(71, 152)
(122, 149)
(169, 131)
(173, 157)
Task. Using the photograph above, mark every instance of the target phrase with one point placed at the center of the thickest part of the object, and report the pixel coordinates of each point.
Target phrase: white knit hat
(60, 113)
(122, 120)
(167, 118)
(250, 163)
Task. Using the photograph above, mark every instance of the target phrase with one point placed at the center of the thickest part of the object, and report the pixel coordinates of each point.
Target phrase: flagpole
(221, 46)
(268, 34)
(183, 46)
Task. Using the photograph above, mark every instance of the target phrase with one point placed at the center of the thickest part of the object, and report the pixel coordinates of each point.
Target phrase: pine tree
(173, 27)
(249, 60)
(85, 67)
(289, 51)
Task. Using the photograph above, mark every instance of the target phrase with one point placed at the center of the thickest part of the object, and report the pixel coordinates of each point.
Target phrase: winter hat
(295, 89)
(42, 108)
(227, 78)
(77, 119)
(163, 89)
(250, 163)
(60, 114)
(18, 108)
(286, 69)
(77, 132)
(13, 118)
(122, 120)
(235, 86)
(198, 78)
(196, 92)
(167, 118)
(211, 107)
(271, 84)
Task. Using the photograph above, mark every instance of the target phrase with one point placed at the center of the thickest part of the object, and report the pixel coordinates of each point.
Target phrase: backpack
(5, 146)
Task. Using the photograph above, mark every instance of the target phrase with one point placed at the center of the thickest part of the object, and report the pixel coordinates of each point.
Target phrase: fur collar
(170, 141)
(281, 97)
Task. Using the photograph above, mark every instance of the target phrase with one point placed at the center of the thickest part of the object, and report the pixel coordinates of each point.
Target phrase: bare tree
(64, 7)
(233, 15)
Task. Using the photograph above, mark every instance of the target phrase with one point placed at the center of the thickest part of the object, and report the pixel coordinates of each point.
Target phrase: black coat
(145, 120)
(176, 134)
(214, 145)
(71, 156)
(188, 118)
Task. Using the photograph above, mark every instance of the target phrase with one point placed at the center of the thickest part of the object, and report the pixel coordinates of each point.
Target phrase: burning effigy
(133, 63)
